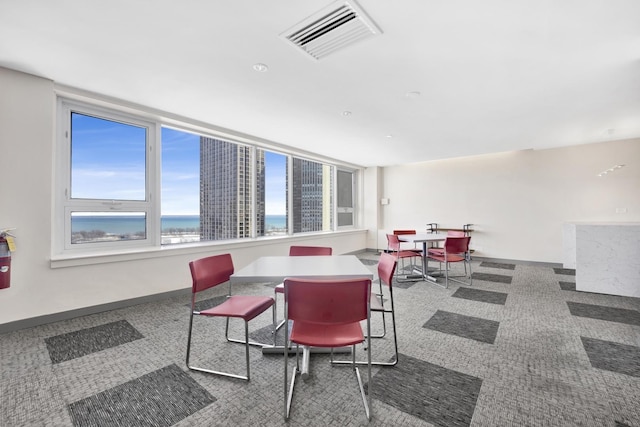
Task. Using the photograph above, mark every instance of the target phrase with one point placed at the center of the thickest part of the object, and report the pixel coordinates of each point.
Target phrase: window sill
(104, 257)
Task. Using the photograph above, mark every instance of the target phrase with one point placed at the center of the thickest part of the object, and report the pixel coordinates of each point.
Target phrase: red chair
(300, 251)
(456, 249)
(386, 270)
(394, 247)
(327, 313)
(405, 232)
(450, 233)
(210, 272)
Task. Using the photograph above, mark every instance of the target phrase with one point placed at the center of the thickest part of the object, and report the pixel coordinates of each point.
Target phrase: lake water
(134, 224)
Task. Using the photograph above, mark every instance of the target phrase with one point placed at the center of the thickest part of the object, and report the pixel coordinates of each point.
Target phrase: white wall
(27, 113)
(517, 201)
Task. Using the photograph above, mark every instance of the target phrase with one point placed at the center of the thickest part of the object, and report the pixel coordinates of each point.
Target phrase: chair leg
(211, 371)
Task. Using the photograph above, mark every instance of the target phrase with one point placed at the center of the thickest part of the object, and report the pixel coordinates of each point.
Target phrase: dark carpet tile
(601, 312)
(498, 265)
(474, 328)
(86, 341)
(565, 271)
(621, 424)
(368, 261)
(429, 392)
(500, 278)
(567, 286)
(481, 295)
(611, 356)
(160, 398)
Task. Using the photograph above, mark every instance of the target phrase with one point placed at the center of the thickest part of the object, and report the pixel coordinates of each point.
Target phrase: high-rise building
(312, 195)
(226, 190)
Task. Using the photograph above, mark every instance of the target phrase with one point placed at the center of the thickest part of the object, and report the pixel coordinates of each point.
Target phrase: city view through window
(211, 189)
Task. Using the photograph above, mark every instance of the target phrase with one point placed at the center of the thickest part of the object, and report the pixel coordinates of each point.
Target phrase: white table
(277, 268)
(423, 238)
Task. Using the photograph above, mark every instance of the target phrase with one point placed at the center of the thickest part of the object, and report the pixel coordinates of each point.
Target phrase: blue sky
(109, 157)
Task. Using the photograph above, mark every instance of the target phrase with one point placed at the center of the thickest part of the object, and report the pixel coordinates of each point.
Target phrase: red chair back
(455, 233)
(393, 242)
(456, 245)
(401, 232)
(309, 250)
(210, 271)
(329, 302)
(386, 268)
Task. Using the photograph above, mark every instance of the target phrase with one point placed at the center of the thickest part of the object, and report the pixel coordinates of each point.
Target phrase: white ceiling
(496, 75)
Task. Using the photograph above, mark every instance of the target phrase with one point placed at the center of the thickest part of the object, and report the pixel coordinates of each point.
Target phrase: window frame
(64, 252)
(66, 205)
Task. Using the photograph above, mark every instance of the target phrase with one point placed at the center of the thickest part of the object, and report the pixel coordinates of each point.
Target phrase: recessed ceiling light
(346, 113)
(389, 136)
(412, 94)
(261, 68)
(611, 169)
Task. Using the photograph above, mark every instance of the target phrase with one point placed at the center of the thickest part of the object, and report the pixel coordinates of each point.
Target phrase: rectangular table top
(422, 237)
(277, 268)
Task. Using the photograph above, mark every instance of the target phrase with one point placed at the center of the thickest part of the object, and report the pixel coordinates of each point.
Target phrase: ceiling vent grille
(338, 25)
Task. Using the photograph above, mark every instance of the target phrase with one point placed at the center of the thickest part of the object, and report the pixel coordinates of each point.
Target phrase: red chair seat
(323, 335)
(241, 306)
(450, 258)
(279, 288)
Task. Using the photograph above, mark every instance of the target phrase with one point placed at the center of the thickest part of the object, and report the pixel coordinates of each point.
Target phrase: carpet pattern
(80, 343)
(611, 314)
(512, 350)
(474, 328)
(480, 295)
(504, 266)
(160, 398)
(437, 395)
(488, 277)
(611, 356)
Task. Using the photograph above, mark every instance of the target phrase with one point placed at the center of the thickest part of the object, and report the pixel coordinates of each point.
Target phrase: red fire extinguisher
(6, 246)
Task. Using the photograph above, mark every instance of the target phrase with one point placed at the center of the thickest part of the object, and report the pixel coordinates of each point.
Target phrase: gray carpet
(80, 343)
(160, 398)
(512, 350)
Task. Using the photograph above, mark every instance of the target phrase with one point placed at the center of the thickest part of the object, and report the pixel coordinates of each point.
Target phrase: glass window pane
(108, 159)
(225, 190)
(274, 196)
(95, 227)
(345, 198)
(312, 187)
(180, 211)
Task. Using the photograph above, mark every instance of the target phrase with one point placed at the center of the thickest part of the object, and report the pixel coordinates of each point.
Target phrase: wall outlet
(621, 210)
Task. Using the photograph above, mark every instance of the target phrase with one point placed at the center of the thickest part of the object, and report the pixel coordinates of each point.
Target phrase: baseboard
(85, 311)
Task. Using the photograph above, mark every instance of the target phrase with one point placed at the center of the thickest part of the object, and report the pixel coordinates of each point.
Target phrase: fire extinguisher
(6, 246)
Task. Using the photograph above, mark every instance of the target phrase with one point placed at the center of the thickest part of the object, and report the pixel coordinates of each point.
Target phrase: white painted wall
(517, 201)
(27, 120)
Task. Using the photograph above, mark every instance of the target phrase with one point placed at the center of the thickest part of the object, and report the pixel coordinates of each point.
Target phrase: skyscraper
(226, 190)
(312, 194)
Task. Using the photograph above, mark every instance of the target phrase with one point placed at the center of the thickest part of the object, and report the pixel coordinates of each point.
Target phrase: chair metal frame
(386, 270)
(456, 249)
(212, 271)
(394, 247)
(327, 306)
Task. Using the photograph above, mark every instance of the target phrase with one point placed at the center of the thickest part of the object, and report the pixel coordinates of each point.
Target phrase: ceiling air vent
(338, 25)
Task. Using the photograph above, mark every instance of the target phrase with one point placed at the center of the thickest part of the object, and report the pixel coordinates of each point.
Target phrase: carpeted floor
(520, 347)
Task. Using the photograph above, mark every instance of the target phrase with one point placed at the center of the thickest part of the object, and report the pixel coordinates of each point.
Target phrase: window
(345, 186)
(274, 206)
(311, 186)
(128, 181)
(106, 177)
